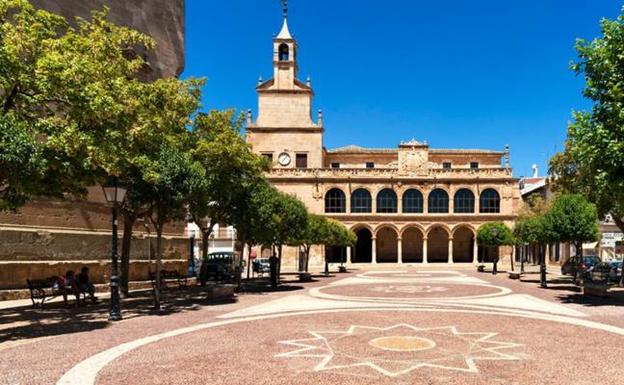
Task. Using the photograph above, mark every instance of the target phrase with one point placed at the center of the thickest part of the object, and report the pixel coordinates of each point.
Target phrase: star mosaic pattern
(400, 349)
(408, 289)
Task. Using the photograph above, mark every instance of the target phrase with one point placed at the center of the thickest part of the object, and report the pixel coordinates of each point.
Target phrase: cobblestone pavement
(390, 325)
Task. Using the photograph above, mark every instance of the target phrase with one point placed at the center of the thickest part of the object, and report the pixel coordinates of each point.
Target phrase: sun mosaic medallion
(400, 349)
(408, 289)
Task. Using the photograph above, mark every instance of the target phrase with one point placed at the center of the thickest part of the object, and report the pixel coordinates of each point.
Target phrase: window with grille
(335, 201)
(474, 165)
(412, 201)
(370, 165)
(446, 165)
(335, 165)
(386, 201)
(361, 201)
(489, 201)
(438, 201)
(464, 201)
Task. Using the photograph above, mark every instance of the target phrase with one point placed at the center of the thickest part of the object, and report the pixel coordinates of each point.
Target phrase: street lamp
(115, 195)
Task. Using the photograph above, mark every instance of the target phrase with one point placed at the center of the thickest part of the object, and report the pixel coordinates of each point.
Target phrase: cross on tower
(285, 8)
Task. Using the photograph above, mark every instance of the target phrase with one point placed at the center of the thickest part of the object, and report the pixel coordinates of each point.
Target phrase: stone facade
(49, 237)
(163, 20)
(412, 203)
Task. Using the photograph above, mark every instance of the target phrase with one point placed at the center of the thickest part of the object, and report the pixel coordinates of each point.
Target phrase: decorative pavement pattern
(412, 326)
(401, 348)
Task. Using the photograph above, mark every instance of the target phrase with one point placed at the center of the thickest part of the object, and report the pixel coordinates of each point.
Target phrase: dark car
(579, 264)
(221, 266)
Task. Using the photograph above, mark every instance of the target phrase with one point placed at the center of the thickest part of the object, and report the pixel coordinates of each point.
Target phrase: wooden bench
(342, 269)
(168, 277)
(514, 274)
(304, 276)
(43, 290)
(481, 268)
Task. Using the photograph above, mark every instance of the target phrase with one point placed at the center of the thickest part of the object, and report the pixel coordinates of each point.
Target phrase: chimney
(535, 171)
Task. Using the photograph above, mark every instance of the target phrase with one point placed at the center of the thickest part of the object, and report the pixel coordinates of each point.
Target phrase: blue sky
(456, 73)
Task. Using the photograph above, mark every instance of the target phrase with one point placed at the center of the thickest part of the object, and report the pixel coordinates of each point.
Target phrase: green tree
(21, 164)
(164, 191)
(572, 218)
(228, 163)
(494, 234)
(593, 160)
(315, 233)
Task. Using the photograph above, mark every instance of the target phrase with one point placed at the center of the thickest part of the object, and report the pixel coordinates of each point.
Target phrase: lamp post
(115, 195)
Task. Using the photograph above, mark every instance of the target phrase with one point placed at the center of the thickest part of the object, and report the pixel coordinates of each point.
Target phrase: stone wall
(163, 20)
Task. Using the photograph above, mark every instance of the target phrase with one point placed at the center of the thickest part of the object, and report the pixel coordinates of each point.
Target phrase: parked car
(599, 272)
(579, 264)
(221, 266)
(615, 274)
(261, 266)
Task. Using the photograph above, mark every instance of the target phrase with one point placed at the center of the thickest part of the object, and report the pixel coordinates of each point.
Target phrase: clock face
(283, 159)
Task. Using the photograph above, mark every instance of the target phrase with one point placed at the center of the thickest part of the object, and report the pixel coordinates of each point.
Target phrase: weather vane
(285, 8)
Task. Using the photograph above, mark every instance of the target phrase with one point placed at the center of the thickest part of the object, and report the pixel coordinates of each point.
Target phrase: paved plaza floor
(390, 325)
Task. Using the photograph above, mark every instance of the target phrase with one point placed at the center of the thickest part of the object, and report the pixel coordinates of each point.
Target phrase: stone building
(413, 203)
(49, 237)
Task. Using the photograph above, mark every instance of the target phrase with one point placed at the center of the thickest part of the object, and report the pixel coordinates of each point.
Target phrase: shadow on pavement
(56, 319)
(614, 298)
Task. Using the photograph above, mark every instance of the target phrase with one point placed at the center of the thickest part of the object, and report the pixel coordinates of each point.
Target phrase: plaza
(419, 325)
(162, 223)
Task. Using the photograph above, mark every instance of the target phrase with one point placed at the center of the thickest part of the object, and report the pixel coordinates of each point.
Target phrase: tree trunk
(307, 257)
(159, 228)
(279, 263)
(513, 254)
(124, 273)
(205, 232)
(542, 255)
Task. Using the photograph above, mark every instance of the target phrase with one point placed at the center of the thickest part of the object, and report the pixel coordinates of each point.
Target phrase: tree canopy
(592, 162)
(572, 218)
(494, 234)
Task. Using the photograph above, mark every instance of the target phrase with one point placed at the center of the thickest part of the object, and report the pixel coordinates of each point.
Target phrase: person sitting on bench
(67, 284)
(85, 285)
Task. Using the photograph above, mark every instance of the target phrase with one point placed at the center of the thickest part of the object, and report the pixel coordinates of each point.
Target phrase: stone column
(374, 250)
(425, 241)
(399, 250)
(349, 255)
(348, 202)
(450, 251)
(475, 252)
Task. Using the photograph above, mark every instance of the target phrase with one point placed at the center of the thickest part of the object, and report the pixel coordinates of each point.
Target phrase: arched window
(386, 201)
(438, 201)
(412, 201)
(464, 201)
(335, 201)
(489, 201)
(361, 201)
(283, 52)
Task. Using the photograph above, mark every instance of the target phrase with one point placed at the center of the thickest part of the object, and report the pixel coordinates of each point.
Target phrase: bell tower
(284, 130)
(284, 56)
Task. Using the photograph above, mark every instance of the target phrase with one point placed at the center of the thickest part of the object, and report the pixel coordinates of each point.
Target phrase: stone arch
(390, 225)
(463, 243)
(362, 252)
(412, 241)
(386, 238)
(438, 243)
